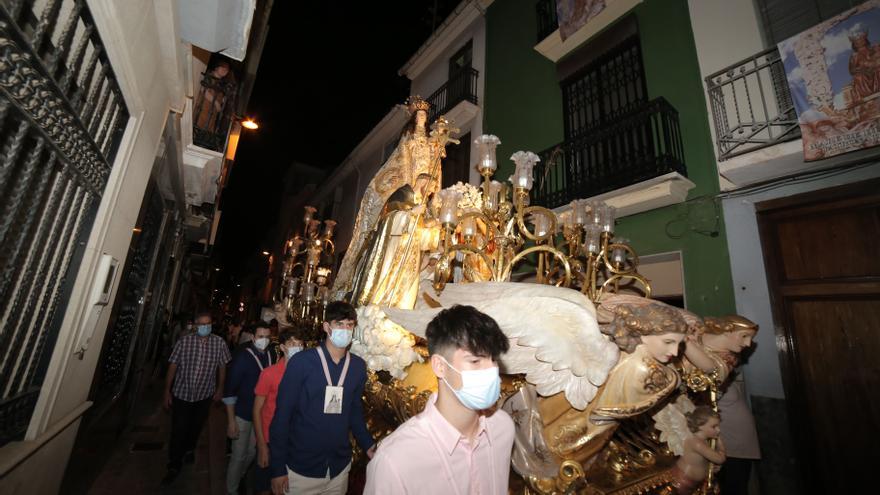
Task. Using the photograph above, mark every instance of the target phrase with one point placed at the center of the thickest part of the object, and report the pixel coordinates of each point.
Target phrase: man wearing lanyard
(319, 402)
(239, 399)
(459, 444)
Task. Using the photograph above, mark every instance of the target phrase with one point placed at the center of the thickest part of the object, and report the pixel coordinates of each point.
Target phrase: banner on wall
(573, 14)
(833, 71)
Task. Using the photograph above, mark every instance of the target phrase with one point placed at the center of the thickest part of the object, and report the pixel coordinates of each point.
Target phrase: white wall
(725, 32)
(136, 36)
(762, 373)
(437, 73)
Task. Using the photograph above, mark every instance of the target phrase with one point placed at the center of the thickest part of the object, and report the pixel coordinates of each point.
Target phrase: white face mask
(479, 390)
(262, 343)
(340, 337)
(293, 350)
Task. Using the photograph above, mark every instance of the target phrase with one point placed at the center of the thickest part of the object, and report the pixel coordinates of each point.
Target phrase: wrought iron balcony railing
(213, 111)
(751, 105)
(460, 87)
(636, 147)
(545, 12)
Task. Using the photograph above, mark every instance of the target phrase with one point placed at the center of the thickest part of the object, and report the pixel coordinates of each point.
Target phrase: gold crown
(416, 103)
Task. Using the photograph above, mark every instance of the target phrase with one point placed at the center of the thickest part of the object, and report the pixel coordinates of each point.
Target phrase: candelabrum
(306, 273)
(489, 238)
(600, 262)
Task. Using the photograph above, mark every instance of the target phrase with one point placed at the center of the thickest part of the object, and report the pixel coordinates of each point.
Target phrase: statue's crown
(416, 103)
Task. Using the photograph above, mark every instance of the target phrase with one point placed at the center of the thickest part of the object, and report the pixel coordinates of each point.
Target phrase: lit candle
(310, 212)
(592, 236)
(486, 148)
(449, 206)
(525, 162)
(468, 226)
(492, 200)
(329, 225)
(608, 219)
(579, 212)
(541, 223)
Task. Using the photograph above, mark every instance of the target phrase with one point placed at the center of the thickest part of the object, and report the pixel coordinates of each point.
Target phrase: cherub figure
(693, 465)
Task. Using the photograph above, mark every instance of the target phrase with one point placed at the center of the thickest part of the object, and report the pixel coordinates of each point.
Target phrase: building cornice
(458, 21)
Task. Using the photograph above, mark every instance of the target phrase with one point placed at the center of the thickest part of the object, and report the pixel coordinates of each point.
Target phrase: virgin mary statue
(382, 264)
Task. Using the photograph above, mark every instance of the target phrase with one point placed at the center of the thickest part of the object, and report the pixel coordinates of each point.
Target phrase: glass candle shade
(293, 287)
(308, 292)
(579, 212)
(525, 162)
(449, 206)
(542, 224)
(486, 145)
(329, 225)
(592, 239)
(468, 226)
(309, 214)
(494, 197)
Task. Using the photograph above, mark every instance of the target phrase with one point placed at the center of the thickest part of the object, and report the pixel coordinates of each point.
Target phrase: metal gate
(62, 116)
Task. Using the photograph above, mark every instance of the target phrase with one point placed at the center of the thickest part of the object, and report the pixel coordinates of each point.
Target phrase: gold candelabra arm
(563, 260)
(520, 222)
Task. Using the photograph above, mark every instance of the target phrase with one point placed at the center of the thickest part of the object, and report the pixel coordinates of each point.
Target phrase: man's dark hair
(288, 333)
(252, 329)
(204, 312)
(464, 327)
(338, 311)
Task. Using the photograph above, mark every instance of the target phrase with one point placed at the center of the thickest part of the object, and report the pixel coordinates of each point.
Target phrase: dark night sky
(328, 74)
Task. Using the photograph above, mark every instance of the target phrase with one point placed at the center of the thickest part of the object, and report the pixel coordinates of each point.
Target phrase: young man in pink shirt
(460, 444)
(266, 391)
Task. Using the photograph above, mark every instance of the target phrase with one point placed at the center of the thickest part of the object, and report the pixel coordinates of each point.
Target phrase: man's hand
(263, 456)
(372, 451)
(166, 403)
(218, 394)
(232, 429)
(279, 485)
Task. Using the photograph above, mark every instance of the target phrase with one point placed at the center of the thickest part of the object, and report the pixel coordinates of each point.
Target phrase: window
(603, 80)
(461, 60)
(457, 165)
(783, 19)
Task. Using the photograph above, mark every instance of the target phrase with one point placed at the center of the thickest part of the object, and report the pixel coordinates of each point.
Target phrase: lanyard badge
(333, 394)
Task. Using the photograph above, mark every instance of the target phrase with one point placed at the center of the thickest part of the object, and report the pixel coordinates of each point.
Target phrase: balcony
(461, 87)
(550, 43)
(213, 112)
(751, 105)
(638, 155)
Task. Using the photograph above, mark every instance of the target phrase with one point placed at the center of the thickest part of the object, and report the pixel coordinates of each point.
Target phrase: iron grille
(62, 116)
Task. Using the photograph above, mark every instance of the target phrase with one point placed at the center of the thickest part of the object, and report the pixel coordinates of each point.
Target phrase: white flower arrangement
(383, 344)
(471, 196)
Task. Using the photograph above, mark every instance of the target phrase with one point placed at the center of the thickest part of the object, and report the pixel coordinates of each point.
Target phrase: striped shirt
(197, 359)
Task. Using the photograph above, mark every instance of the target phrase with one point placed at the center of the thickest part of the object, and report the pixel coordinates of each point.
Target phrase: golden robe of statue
(387, 273)
(389, 224)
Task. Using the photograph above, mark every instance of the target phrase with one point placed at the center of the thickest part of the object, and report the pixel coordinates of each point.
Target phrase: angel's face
(711, 428)
(734, 342)
(663, 347)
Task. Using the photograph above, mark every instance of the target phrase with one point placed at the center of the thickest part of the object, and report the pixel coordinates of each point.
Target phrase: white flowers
(471, 196)
(383, 344)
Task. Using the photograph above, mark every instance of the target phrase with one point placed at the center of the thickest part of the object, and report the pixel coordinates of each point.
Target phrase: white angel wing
(672, 423)
(555, 339)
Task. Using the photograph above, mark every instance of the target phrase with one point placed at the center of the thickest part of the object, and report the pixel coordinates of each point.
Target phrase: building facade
(119, 125)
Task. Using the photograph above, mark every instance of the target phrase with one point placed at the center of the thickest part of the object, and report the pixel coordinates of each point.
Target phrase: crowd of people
(290, 410)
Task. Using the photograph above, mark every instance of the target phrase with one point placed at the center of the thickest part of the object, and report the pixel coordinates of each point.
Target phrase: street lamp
(249, 124)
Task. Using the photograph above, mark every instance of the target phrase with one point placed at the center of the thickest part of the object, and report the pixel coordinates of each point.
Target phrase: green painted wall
(523, 106)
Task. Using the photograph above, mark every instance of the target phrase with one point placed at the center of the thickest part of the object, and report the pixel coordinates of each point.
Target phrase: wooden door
(822, 254)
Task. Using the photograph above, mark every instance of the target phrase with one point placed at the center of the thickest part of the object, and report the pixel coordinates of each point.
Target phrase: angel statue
(585, 369)
(391, 232)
